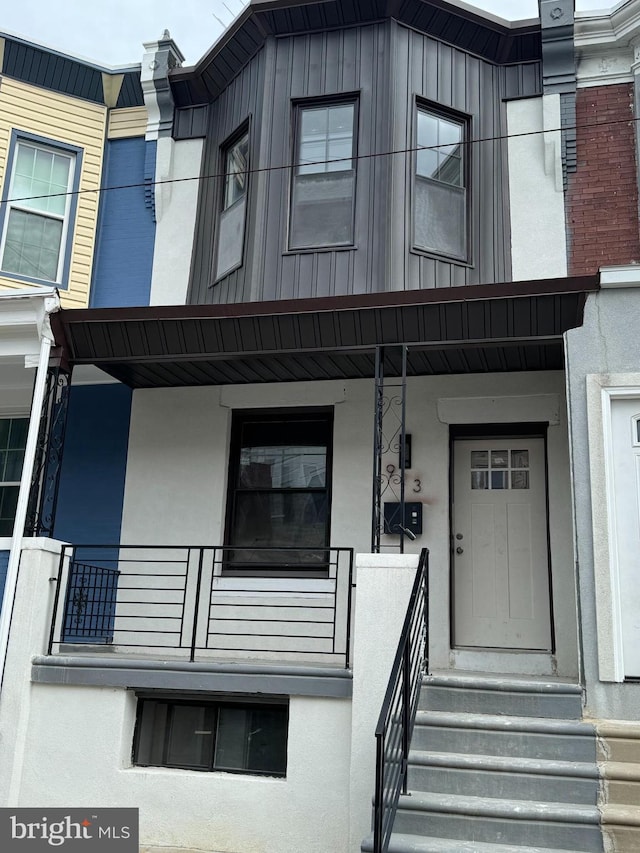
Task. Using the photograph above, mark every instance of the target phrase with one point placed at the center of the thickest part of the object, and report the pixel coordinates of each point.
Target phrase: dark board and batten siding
(387, 65)
(242, 100)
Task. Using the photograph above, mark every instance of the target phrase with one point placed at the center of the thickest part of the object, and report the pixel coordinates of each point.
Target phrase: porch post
(389, 437)
(23, 498)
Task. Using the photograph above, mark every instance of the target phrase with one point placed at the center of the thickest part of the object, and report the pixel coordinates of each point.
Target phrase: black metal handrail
(395, 723)
(199, 601)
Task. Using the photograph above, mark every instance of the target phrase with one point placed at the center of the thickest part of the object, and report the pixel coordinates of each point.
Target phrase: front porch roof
(511, 326)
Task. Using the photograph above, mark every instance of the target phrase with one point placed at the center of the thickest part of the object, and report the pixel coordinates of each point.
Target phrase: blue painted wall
(4, 562)
(126, 226)
(94, 464)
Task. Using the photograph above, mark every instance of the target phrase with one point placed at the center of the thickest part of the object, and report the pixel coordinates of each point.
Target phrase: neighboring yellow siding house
(53, 116)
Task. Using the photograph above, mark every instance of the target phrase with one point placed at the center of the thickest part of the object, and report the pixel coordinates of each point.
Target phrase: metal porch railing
(395, 723)
(203, 602)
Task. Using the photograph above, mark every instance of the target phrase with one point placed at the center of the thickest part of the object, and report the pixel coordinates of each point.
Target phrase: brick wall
(602, 196)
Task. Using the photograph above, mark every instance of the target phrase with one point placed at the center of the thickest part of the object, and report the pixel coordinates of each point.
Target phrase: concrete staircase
(499, 765)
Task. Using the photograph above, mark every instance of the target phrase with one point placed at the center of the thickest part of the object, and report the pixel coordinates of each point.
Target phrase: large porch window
(279, 494)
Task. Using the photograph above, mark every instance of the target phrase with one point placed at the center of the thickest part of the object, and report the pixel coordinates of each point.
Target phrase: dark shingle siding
(52, 71)
(131, 91)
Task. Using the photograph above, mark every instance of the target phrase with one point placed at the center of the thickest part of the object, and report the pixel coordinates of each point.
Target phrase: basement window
(194, 734)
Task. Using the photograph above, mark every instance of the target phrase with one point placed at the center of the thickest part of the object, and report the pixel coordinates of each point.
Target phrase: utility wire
(216, 175)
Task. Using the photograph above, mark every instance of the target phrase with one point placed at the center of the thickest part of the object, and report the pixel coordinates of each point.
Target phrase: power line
(287, 166)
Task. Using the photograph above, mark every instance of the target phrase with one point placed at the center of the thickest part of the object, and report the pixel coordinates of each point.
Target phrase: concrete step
(501, 695)
(402, 843)
(490, 820)
(504, 776)
(492, 734)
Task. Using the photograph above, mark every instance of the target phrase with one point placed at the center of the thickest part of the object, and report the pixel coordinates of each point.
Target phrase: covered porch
(466, 374)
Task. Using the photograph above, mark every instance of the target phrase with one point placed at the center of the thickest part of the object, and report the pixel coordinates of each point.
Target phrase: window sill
(314, 250)
(446, 259)
(224, 275)
(41, 282)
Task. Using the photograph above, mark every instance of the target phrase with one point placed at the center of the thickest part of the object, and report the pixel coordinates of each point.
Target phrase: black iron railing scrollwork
(395, 723)
(45, 480)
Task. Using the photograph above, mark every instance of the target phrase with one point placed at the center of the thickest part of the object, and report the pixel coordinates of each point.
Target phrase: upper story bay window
(38, 207)
(235, 160)
(324, 177)
(440, 187)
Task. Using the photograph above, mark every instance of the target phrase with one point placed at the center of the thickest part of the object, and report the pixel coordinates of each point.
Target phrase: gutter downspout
(50, 305)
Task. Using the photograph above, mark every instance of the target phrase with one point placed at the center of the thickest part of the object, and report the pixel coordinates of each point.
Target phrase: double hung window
(13, 439)
(279, 494)
(324, 176)
(440, 185)
(38, 205)
(212, 735)
(235, 159)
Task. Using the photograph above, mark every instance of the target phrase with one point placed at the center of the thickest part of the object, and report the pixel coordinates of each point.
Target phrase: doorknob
(458, 535)
(459, 550)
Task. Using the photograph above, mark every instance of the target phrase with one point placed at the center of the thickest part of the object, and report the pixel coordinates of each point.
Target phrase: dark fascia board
(189, 82)
(107, 335)
(283, 307)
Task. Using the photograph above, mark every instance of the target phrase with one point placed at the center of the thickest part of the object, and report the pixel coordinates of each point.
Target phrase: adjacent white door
(500, 552)
(625, 427)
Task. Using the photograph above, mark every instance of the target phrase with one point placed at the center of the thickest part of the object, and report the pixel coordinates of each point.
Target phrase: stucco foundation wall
(82, 738)
(176, 480)
(606, 346)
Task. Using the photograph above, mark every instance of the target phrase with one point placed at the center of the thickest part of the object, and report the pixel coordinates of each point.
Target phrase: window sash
(236, 165)
(35, 227)
(279, 495)
(440, 197)
(323, 181)
(229, 247)
(233, 737)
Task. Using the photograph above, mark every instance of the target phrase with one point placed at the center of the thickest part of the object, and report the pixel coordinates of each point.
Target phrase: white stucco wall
(175, 490)
(82, 738)
(603, 353)
(177, 170)
(536, 198)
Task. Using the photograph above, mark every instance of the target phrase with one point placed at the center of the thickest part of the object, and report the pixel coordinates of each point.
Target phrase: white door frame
(606, 557)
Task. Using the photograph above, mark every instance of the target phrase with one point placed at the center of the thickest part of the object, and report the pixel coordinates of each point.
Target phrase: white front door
(500, 551)
(625, 426)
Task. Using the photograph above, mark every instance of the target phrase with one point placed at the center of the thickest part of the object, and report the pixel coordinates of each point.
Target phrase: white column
(23, 499)
(383, 587)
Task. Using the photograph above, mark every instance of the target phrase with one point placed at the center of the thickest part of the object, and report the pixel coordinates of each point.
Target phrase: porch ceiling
(500, 327)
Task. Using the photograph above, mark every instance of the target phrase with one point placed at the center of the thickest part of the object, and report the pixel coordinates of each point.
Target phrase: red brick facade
(602, 198)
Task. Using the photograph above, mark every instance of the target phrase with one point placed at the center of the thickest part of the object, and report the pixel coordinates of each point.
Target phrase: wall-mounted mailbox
(393, 518)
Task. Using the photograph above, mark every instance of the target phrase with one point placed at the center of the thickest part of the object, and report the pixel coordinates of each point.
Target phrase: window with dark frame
(230, 241)
(208, 735)
(440, 184)
(13, 440)
(279, 494)
(324, 177)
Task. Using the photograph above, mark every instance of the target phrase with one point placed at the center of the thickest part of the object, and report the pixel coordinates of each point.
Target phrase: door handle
(459, 550)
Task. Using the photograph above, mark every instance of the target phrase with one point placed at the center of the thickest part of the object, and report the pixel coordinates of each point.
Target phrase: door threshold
(503, 662)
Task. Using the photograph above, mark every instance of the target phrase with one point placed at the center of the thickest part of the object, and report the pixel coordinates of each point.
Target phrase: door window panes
(499, 469)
